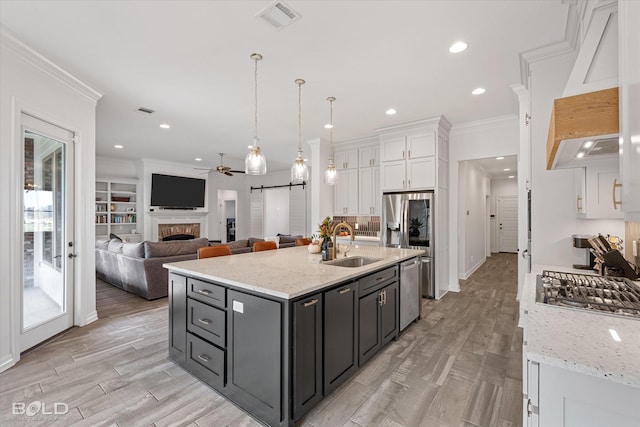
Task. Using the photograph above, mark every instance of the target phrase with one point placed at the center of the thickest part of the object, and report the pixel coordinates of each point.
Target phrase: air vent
(278, 15)
(603, 146)
(146, 110)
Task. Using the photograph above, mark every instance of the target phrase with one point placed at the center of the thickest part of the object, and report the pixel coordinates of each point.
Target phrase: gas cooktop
(609, 295)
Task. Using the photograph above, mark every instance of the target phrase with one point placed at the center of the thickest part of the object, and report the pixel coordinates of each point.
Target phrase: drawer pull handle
(204, 292)
(204, 321)
(310, 303)
(344, 291)
(204, 358)
(379, 278)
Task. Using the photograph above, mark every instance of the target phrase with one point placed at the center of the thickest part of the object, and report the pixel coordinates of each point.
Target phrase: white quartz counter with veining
(286, 273)
(580, 340)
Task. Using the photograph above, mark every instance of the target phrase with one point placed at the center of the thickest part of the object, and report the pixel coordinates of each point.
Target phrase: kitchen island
(276, 331)
(580, 368)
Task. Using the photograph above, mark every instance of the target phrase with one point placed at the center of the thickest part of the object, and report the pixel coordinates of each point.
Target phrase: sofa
(137, 267)
(246, 245)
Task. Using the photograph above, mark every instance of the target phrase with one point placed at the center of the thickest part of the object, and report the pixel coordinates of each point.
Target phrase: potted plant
(414, 226)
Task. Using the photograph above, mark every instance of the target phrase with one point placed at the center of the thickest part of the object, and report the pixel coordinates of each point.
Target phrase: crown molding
(440, 121)
(8, 41)
(491, 123)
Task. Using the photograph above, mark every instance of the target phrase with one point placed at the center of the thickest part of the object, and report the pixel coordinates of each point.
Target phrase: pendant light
(299, 170)
(331, 175)
(255, 163)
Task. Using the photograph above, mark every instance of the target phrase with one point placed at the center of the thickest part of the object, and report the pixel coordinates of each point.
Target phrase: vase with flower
(324, 233)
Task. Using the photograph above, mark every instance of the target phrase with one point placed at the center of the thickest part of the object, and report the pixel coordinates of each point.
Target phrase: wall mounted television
(179, 192)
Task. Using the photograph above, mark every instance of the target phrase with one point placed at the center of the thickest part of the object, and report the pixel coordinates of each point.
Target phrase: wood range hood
(583, 116)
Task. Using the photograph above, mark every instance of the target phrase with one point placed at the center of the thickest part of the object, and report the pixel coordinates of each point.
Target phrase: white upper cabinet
(597, 191)
(346, 159)
(369, 196)
(408, 162)
(629, 79)
(369, 156)
(346, 192)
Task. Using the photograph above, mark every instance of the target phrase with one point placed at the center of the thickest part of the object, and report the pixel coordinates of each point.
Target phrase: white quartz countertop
(580, 340)
(289, 272)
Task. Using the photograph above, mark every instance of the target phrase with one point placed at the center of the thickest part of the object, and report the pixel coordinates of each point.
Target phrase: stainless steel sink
(353, 261)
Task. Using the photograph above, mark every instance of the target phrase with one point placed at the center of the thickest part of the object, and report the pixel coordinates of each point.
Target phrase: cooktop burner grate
(613, 295)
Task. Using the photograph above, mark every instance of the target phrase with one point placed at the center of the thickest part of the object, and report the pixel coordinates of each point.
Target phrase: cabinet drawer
(206, 321)
(206, 292)
(206, 361)
(368, 284)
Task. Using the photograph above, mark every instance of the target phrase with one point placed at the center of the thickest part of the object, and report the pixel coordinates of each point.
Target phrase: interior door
(507, 224)
(47, 231)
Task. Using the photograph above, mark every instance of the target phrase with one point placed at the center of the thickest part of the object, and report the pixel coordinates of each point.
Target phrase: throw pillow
(115, 237)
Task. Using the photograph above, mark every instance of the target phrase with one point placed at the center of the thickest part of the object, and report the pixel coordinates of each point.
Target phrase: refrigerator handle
(404, 232)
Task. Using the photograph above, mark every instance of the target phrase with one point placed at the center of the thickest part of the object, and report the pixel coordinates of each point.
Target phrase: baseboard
(7, 362)
(473, 269)
(92, 317)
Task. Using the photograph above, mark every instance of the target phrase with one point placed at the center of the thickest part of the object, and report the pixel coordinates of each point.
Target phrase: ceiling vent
(279, 15)
(602, 147)
(146, 110)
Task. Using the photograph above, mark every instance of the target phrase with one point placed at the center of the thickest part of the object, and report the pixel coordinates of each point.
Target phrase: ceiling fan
(223, 169)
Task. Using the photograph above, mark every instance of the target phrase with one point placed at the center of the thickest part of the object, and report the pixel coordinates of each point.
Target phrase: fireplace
(178, 231)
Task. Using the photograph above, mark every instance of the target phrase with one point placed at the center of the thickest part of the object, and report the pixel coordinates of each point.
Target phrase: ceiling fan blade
(228, 173)
(236, 171)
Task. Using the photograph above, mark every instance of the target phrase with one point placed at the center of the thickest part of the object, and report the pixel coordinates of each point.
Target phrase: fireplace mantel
(178, 213)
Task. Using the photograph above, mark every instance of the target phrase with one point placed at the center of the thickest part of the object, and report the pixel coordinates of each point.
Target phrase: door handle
(72, 255)
(616, 184)
(525, 253)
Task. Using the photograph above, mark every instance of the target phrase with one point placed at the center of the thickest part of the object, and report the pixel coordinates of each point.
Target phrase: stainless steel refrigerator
(408, 222)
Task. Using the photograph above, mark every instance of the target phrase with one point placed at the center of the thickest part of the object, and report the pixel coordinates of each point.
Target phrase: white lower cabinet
(566, 398)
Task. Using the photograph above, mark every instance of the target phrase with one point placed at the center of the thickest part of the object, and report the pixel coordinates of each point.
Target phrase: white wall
(476, 140)
(32, 84)
(552, 194)
(499, 188)
(276, 211)
(473, 186)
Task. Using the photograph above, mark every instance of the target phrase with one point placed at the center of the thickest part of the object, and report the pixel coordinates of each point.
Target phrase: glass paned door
(47, 276)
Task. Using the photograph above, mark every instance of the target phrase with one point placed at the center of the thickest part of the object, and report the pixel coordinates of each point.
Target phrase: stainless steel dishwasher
(410, 301)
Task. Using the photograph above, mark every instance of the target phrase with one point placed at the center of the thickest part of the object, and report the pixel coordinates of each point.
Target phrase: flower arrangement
(325, 228)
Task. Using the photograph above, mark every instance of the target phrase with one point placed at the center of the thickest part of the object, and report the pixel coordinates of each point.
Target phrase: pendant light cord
(300, 82)
(331, 154)
(255, 93)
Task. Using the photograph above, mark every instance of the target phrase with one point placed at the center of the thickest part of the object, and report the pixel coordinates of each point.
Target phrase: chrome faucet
(333, 236)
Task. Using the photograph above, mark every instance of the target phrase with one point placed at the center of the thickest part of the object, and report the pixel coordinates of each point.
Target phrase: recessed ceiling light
(165, 126)
(500, 158)
(198, 159)
(580, 154)
(390, 112)
(512, 176)
(507, 169)
(458, 47)
(478, 91)
(328, 126)
(118, 146)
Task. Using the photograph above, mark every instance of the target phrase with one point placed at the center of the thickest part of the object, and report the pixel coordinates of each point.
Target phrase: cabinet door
(579, 185)
(365, 195)
(341, 193)
(421, 173)
(340, 346)
(177, 318)
(307, 354)
(423, 145)
(392, 175)
(389, 313)
(255, 354)
(346, 159)
(376, 194)
(369, 156)
(352, 191)
(392, 149)
(601, 193)
(369, 326)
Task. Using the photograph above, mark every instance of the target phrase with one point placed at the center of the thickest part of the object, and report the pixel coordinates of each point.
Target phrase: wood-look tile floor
(458, 366)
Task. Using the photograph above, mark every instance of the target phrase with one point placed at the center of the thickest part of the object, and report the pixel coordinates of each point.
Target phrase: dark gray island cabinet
(275, 357)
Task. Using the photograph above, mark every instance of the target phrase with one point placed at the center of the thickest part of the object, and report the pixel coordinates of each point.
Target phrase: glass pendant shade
(299, 170)
(255, 162)
(330, 175)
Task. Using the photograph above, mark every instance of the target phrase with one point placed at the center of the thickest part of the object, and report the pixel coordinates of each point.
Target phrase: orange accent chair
(264, 246)
(212, 251)
(303, 242)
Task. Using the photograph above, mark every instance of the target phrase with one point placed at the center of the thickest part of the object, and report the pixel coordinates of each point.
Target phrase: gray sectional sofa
(137, 267)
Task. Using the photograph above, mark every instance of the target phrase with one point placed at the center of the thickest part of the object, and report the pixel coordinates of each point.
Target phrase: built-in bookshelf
(116, 209)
